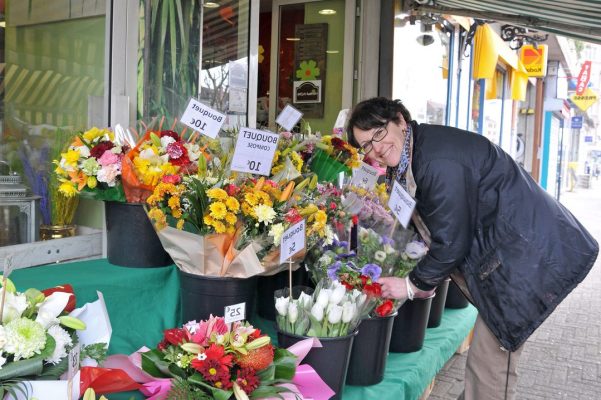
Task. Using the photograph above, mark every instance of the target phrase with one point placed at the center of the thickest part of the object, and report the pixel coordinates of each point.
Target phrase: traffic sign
(576, 122)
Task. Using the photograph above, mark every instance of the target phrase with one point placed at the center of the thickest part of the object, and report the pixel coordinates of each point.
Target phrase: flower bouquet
(333, 155)
(38, 330)
(208, 359)
(91, 166)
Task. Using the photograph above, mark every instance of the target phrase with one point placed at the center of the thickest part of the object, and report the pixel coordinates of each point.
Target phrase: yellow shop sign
(585, 100)
(534, 59)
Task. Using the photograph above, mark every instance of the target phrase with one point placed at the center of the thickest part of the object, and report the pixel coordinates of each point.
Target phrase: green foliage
(181, 389)
(96, 351)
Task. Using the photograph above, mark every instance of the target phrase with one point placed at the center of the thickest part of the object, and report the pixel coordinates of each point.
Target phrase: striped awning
(580, 19)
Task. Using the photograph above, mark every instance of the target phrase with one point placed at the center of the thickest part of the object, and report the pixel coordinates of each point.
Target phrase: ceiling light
(292, 39)
(327, 11)
(211, 4)
(2, 24)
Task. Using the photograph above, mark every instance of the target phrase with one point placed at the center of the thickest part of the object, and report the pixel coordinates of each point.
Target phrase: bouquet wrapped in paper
(332, 156)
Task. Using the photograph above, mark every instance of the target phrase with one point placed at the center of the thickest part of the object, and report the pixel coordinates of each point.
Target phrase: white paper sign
(293, 241)
(254, 151)
(203, 119)
(341, 120)
(288, 117)
(401, 204)
(8, 266)
(365, 176)
(73, 360)
(235, 312)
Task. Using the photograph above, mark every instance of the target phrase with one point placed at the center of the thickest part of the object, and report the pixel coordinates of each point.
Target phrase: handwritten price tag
(203, 119)
(8, 266)
(293, 241)
(235, 312)
(73, 359)
(254, 151)
(365, 176)
(288, 117)
(401, 204)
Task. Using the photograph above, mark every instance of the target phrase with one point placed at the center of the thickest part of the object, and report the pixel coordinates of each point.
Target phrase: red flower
(374, 289)
(332, 206)
(347, 285)
(175, 179)
(293, 216)
(215, 365)
(255, 335)
(365, 280)
(173, 134)
(338, 144)
(66, 289)
(247, 380)
(173, 336)
(385, 308)
(98, 150)
(232, 190)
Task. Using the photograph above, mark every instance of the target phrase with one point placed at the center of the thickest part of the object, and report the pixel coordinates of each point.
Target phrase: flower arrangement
(373, 247)
(333, 155)
(92, 165)
(414, 251)
(369, 206)
(210, 359)
(36, 335)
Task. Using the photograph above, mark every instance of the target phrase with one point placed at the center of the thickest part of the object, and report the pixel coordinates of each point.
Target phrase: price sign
(8, 266)
(254, 151)
(288, 117)
(365, 176)
(73, 359)
(401, 204)
(203, 119)
(341, 121)
(235, 312)
(293, 241)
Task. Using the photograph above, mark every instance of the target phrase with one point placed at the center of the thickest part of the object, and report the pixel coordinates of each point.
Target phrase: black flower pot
(330, 361)
(455, 297)
(370, 351)
(438, 302)
(409, 329)
(131, 239)
(205, 295)
(267, 285)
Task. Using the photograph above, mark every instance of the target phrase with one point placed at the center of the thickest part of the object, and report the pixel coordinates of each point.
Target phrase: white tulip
(324, 297)
(360, 301)
(305, 301)
(317, 312)
(292, 312)
(281, 305)
(335, 314)
(338, 293)
(355, 293)
(349, 310)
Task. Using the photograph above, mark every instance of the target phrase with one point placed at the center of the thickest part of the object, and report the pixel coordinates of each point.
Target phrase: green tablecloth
(142, 302)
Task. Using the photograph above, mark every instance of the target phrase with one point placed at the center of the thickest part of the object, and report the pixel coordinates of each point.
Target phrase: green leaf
(172, 40)
(177, 371)
(267, 374)
(54, 371)
(218, 394)
(264, 391)
(155, 139)
(21, 368)
(48, 349)
(153, 363)
(285, 364)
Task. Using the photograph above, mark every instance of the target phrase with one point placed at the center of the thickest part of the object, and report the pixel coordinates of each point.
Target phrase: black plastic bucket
(438, 302)
(409, 329)
(455, 297)
(131, 239)
(267, 285)
(205, 295)
(370, 351)
(331, 361)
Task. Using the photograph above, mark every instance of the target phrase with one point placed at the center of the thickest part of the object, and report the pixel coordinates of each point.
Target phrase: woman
(513, 249)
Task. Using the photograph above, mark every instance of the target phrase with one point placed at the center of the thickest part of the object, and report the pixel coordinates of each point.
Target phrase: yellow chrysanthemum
(180, 224)
(277, 169)
(321, 217)
(219, 227)
(67, 189)
(176, 212)
(173, 202)
(217, 194)
(218, 210)
(251, 199)
(231, 218)
(297, 161)
(207, 219)
(232, 204)
(247, 209)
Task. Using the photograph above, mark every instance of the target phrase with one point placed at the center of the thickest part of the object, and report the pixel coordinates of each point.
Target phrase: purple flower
(386, 240)
(372, 270)
(333, 270)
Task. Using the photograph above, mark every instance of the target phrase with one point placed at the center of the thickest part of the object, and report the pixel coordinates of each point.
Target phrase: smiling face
(388, 150)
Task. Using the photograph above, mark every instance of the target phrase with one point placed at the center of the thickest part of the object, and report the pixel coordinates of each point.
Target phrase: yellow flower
(297, 160)
(180, 224)
(208, 220)
(277, 169)
(321, 217)
(218, 210)
(232, 204)
(231, 218)
(219, 227)
(173, 202)
(67, 189)
(310, 209)
(94, 133)
(218, 194)
(247, 209)
(92, 182)
(251, 199)
(71, 157)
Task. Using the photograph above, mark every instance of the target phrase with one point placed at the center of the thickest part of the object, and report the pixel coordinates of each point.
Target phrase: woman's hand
(396, 288)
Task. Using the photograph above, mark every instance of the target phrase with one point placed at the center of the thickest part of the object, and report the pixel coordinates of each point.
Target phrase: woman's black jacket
(520, 251)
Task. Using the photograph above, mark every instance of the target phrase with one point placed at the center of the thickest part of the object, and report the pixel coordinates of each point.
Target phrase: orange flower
(79, 178)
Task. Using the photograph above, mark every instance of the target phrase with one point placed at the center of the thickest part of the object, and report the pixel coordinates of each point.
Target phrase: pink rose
(108, 158)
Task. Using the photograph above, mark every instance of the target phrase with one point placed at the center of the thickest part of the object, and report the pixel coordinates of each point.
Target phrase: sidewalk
(562, 359)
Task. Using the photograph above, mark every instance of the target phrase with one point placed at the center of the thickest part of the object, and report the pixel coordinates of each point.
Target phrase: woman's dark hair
(374, 113)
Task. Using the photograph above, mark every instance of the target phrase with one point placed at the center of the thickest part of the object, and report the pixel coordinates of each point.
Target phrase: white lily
(51, 308)
(281, 305)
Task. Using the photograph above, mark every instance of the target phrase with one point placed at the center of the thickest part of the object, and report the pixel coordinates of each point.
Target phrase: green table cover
(142, 302)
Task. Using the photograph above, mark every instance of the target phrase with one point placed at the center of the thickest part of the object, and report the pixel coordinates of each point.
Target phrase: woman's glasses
(377, 136)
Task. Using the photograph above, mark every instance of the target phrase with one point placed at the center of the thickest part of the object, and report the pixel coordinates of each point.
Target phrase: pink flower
(286, 135)
(175, 179)
(207, 328)
(108, 158)
(109, 174)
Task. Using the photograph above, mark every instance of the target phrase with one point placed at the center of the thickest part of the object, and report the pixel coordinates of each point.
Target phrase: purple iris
(333, 270)
(372, 270)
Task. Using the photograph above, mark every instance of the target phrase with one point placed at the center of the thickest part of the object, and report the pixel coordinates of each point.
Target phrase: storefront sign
(585, 100)
(583, 77)
(254, 151)
(401, 204)
(310, 63)
(293, 241)
(576, 122)
(307, 92)
(534, 59)
(203, 119)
